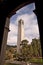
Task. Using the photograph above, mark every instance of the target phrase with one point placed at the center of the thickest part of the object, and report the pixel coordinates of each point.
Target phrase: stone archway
(4, 41)
(9, 13)
(7, 10)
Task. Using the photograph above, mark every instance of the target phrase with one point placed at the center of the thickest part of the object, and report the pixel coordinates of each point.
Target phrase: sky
(31, 30)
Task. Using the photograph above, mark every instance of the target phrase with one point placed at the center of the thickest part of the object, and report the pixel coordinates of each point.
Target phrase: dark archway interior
(9, 7)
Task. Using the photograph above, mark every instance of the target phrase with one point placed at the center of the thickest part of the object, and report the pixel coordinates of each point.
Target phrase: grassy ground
(33, 60)
(10, 64)
(36, 60)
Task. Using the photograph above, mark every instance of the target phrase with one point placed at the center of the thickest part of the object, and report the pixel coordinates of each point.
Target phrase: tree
(36, 47)
(24, 55)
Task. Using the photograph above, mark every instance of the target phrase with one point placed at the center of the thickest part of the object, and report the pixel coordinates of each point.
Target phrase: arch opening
(30, 27)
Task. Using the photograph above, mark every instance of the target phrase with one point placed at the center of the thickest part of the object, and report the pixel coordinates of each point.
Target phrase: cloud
(30, 26)
(28, 19)
(13, 28)
(12, 40)
(27, 8)
(12, 35)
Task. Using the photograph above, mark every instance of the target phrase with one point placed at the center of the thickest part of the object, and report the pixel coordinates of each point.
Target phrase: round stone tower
(20, 34)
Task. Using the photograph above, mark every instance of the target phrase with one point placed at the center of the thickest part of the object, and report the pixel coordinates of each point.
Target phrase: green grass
(35, 60)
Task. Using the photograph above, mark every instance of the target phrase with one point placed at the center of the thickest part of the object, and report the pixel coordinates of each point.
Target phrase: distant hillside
(8, 47)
